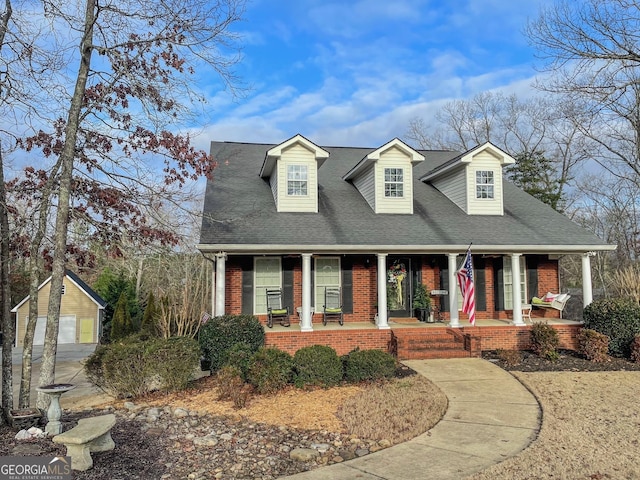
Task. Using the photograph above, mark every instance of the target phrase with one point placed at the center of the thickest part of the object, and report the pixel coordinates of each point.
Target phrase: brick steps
(421, 344)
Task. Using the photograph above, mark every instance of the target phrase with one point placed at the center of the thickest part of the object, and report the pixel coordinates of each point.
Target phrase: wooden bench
(92, 434)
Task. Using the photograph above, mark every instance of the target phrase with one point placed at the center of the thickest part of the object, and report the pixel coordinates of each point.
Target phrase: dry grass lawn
(590, 429)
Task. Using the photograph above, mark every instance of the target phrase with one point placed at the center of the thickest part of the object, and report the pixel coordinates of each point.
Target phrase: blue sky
(356, 72)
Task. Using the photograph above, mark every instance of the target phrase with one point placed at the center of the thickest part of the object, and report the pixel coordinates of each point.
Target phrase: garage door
(66, 332)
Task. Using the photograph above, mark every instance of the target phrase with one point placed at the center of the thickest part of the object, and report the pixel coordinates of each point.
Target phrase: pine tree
(121, 325)
(150, 317)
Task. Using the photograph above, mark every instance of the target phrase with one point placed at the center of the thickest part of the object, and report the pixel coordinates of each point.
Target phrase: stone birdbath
(54, 412)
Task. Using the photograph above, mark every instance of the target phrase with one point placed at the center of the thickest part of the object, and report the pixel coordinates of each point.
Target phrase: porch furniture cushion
(332, 306)
(556, 303)
(275, 308)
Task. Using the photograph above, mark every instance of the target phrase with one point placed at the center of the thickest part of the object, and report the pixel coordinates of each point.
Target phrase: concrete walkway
(69, 369)
(491, 417)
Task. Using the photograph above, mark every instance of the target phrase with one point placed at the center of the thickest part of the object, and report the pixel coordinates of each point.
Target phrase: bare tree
(134, 62)
(524, 128)
(592, 48)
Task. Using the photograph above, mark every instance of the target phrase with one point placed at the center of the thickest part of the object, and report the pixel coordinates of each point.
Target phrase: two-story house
(374, 222)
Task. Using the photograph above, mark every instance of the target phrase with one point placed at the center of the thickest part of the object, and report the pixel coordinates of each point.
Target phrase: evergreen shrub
(317, 365)
(134, 367)
(593, 345)
(545, 341)
(270, 370)
(239, 356)
(618, 319)
(221, 333)
(361, 365)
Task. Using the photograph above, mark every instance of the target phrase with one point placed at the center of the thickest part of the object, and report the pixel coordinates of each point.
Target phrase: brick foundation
(471, 341)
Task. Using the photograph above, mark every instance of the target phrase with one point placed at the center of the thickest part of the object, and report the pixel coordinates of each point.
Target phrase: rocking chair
(275, 309)
(332, 306)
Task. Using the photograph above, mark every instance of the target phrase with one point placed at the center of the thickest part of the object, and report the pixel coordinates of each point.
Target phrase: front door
(399, 286)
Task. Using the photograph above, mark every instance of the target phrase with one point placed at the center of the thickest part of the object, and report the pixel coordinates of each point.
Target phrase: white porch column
(587, 292)
(517, 301)
(220, 283)
(213, 287)
(383, 323)
(454, 318)
(306, 324)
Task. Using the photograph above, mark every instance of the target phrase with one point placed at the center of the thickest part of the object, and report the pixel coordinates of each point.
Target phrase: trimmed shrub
(239, 356)
(174, 360)
(593, 345)
(131, 368)
(122, 371)
(618, 319)
(635, 349)
(361, 365)
(317, 365)
(270, 370)
(219, 334)
(545, 341)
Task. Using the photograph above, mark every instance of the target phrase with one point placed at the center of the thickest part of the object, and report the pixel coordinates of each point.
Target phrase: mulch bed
(569, 361)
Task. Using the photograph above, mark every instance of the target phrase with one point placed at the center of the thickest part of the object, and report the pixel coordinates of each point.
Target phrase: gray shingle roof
(240, 214)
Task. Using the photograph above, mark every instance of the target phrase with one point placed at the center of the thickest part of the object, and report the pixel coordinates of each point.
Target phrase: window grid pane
(508, 283)
(393, 182)
(267, 276)
(297, 180)
(327, 274)
(484, 184)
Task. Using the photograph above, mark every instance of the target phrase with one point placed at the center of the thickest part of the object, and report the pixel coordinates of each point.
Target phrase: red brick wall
(478, 338)
(365, 289)
(518, 338)
(342, 341)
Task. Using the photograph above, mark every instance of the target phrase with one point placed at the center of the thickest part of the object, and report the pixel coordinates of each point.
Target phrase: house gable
(292, 171)
(473, 180)
(384, 177)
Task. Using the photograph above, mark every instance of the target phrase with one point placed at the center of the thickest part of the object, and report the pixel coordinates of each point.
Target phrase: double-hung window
(327, 274)
(485, 186)
(508, 282)
(268, 275)
(297, 180)
(393, 182)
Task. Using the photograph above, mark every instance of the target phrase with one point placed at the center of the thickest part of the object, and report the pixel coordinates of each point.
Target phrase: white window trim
(262, 287)
(508, 300)
(319, 299)
(302, 169)
(393, 182)
(480, 185)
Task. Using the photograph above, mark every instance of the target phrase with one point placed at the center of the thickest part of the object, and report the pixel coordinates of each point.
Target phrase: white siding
(454, 187)
(366, 185)
(297, 155)
(484, 206)
(394, 158)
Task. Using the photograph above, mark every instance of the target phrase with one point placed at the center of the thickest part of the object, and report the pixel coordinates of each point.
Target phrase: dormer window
(485, 184)
(297, 180)
(393, 182)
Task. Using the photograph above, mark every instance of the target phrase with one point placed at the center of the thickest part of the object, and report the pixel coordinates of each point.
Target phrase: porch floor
(414, 323)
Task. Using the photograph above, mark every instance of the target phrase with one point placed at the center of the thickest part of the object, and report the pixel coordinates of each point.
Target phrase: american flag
(465, 280)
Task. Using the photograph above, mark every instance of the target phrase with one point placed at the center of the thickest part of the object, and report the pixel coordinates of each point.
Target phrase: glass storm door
(399, 286)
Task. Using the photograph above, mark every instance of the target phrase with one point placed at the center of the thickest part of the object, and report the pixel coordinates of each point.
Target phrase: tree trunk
(47, 369)
(8, 325)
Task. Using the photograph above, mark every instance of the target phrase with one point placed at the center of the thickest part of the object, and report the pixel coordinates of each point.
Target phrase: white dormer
(473, 180)
(385, 177)
(292, 170)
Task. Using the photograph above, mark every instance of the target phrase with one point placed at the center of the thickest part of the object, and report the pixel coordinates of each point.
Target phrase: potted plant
(421, 302)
